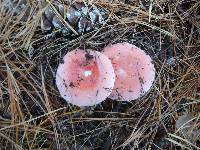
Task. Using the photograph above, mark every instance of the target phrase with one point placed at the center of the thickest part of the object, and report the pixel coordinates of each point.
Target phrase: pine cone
(61, 15)
(80, 17)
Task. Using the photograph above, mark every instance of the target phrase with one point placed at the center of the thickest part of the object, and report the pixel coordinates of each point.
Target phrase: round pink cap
(134, 71)
(85, 78)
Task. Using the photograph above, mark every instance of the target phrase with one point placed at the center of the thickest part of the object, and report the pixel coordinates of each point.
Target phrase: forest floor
(34, 116)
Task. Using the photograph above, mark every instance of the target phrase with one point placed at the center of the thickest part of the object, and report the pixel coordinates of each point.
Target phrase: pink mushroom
(134, 71)
(85, 78)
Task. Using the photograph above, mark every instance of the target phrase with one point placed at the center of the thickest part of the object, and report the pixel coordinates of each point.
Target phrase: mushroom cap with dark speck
(134, 71)
(85, 82)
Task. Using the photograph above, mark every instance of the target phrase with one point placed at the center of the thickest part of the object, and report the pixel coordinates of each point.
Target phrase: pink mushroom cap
(134, 71)
(85, 78)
